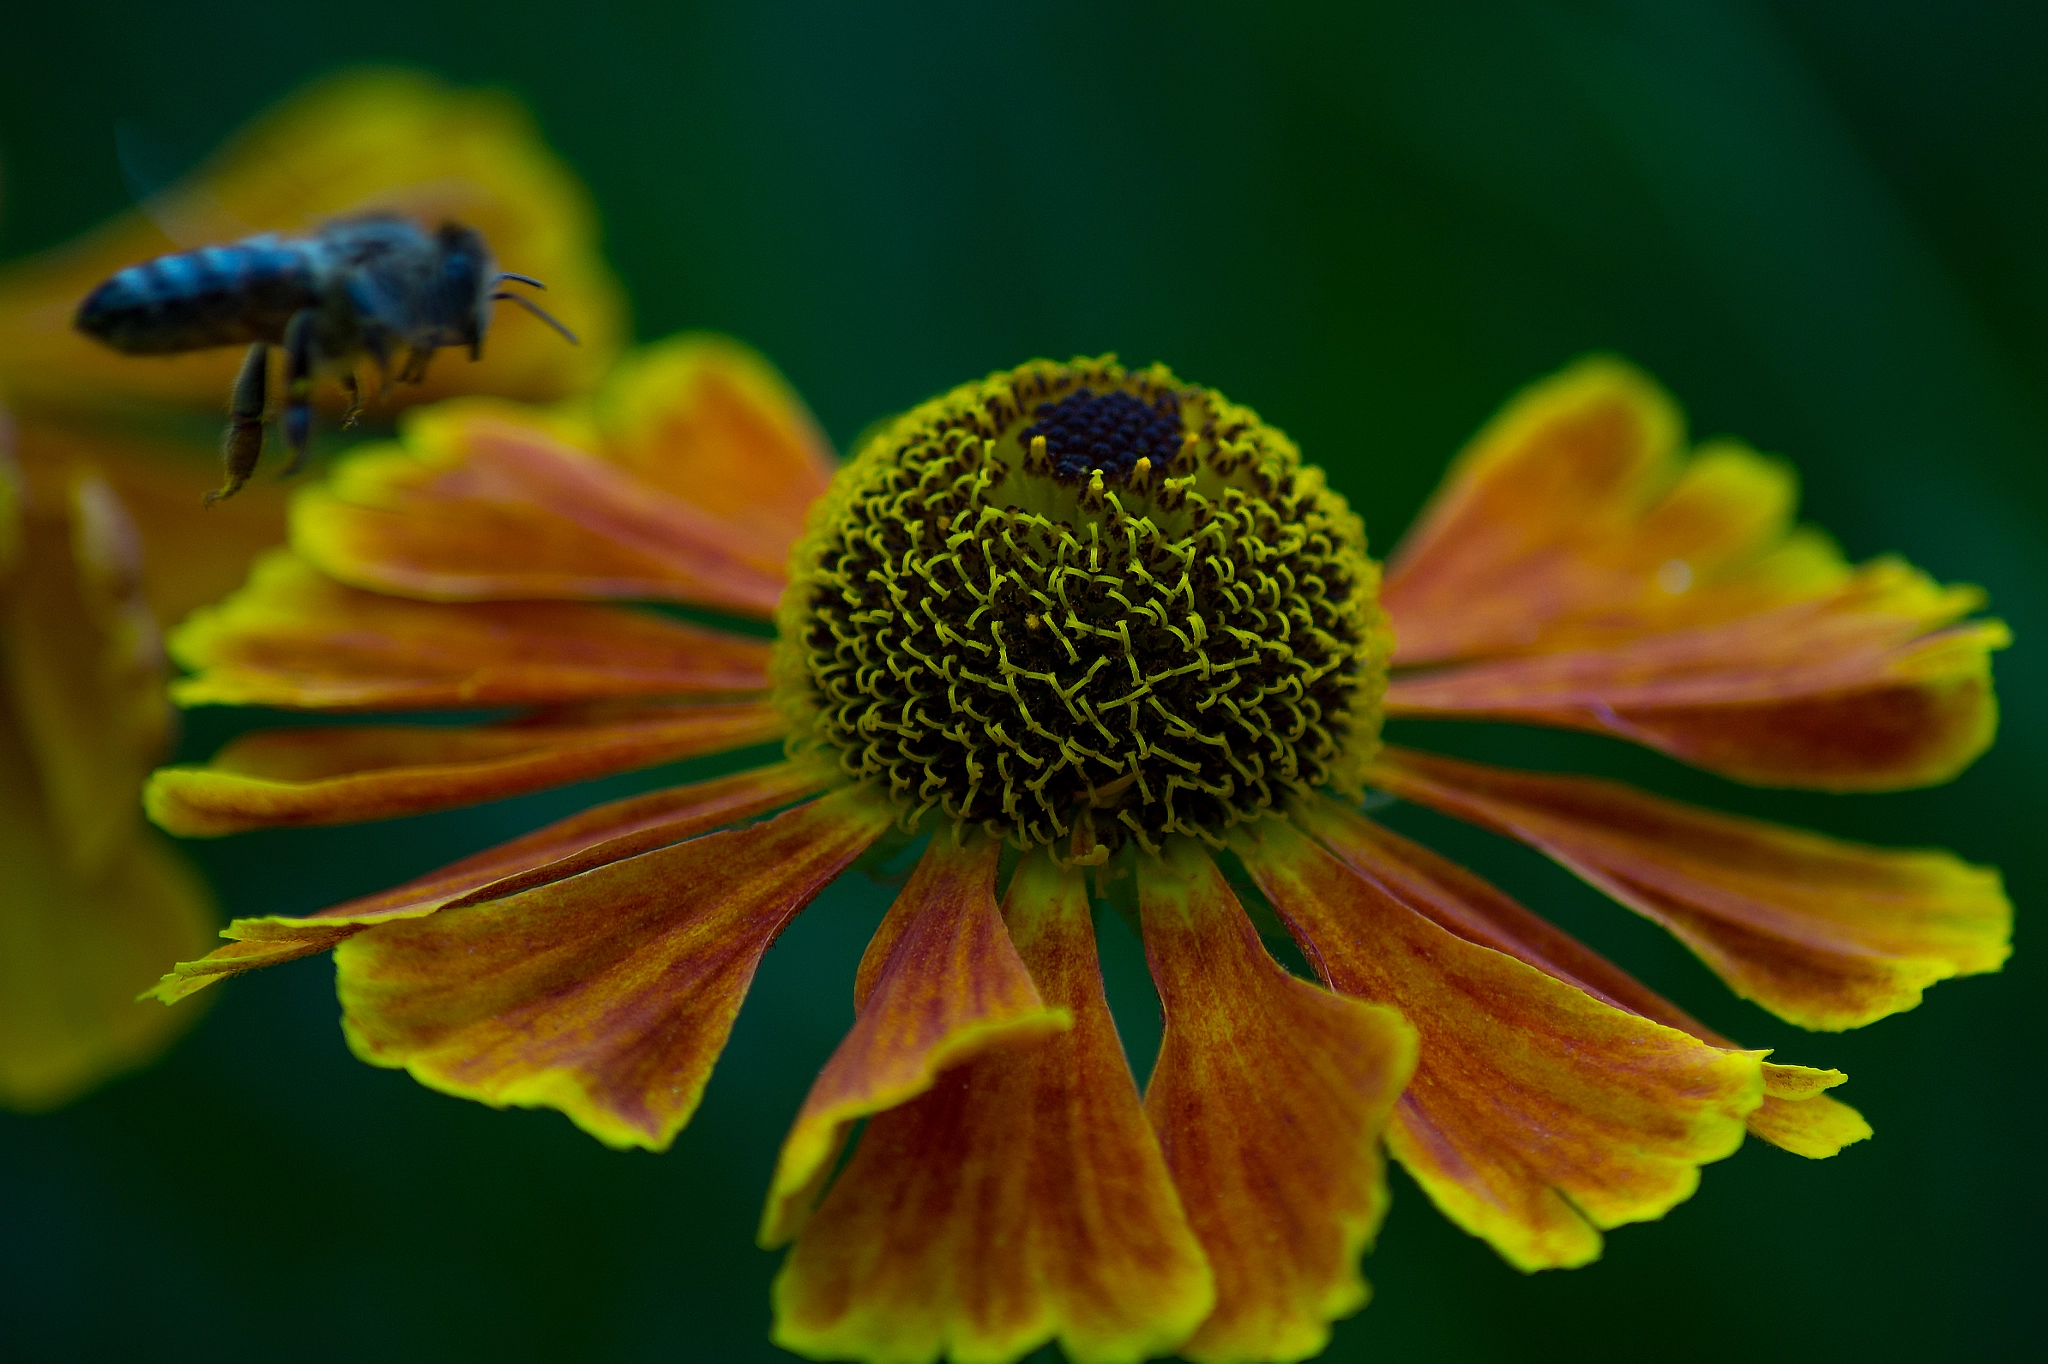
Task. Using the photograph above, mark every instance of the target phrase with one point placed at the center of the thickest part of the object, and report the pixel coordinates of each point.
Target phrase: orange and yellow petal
(366, 140)
(1823, 933)
(708, 420)
(1461, 903)
(1519, 534)
(939, 983)
(1798, 1117)
(487, 501)
(294, 637)
(1579, 568)
(1576, 518)
(608, 995)
(1270, 1097)
(347, 774)
(1877, 684)
(597, 837)
(1538, 1116)
(1022, 1199)
(188, 978)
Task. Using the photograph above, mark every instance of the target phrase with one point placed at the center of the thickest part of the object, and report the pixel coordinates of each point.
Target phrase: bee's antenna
(523, 279)
(538, 312)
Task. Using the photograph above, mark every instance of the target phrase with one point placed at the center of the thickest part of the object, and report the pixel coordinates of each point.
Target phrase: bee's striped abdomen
(215, 296)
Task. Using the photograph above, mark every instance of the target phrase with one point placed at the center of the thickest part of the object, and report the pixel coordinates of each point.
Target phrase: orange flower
(104, 467)
(1106, 636)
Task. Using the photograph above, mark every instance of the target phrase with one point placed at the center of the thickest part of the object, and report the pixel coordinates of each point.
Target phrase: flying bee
(370, 286)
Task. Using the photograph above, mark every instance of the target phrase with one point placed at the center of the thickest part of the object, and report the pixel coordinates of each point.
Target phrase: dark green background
(1825, 225)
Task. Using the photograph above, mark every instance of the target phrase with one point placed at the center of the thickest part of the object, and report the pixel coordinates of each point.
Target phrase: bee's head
(471, 280)
(467, 277)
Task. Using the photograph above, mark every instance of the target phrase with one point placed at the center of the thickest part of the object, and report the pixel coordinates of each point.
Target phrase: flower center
(1085, 431)
(1073, 593)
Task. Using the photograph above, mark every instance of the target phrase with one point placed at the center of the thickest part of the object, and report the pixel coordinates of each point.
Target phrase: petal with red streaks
(1797, 1116)
(1576, 519)
(940, 983)
(707, 420)
(1270, 1098)
(608, 995)
(1508, 544)
(1823, 933)
(1539, 1115)
(1875, 685)
(346, 774)
(1459, 902)
(598, 836)
(1022, 1199)
(486, 501)
(294, 637)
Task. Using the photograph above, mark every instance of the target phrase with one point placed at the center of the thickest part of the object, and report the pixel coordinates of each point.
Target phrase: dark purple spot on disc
(1107, 431)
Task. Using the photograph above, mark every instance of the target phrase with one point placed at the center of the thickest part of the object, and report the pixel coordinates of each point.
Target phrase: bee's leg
(245, 422)
(415, 370)
(355, 399)
(298, 392)
(374, 347)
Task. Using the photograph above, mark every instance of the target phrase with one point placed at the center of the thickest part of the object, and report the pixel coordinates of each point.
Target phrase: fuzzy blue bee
(373, 286)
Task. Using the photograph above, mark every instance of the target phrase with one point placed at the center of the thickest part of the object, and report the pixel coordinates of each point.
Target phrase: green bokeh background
(1824, 224)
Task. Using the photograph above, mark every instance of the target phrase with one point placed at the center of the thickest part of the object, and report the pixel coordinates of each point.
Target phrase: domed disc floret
(1074, 593)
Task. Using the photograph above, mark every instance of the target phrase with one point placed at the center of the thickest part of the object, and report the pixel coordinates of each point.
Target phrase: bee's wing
(189, 213)
(445, 198)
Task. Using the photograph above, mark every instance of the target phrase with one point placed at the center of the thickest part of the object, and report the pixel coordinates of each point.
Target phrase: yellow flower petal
(75, 946)
(83, 667)
(89, 899)
(1460, 903)
(1550, 529)
(1799, 1117)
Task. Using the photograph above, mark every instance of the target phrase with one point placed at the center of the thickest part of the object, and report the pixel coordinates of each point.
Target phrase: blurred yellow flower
(103, 462)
